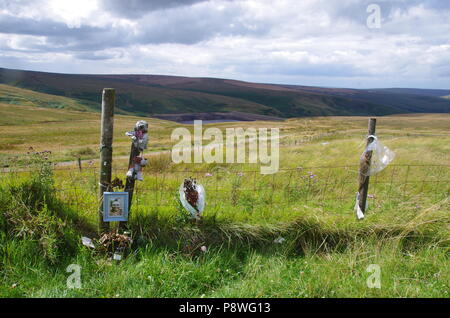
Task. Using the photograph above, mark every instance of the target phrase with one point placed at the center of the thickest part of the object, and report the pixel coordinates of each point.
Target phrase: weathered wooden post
(364, 168)
(79, 163)
(129, 184)
(108, 100)
(139, 142)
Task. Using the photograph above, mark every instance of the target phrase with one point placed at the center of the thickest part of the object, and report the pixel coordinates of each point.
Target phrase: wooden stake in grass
(364, 168)
(139, 142)
(129, 184)
(108, 100)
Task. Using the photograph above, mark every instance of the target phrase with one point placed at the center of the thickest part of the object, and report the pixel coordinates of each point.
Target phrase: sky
(332, 43)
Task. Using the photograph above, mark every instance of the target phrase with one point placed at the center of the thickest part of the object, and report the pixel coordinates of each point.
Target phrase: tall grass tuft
(33, 220)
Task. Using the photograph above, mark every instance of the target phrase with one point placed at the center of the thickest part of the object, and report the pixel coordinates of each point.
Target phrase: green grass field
(325, 251)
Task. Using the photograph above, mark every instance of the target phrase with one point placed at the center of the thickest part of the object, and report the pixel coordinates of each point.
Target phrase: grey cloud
(181, 25)
(139, 8)
(433, 4)
(15, 25)
(356, 11)
(60, 37)
(17, 6)
(191, 22)
(93, 56)
(302, 69)
(443, 67)
(445, 73)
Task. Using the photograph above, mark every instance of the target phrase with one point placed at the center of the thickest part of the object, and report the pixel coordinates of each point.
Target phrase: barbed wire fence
(249, 190)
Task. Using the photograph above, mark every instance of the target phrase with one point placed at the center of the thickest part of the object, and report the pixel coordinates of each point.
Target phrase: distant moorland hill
(148, 95)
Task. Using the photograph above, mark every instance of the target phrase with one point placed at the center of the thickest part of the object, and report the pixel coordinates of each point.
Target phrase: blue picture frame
(115, 206)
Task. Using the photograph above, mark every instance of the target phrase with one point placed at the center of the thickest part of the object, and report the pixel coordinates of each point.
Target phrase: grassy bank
(320, 254)
(291, 234)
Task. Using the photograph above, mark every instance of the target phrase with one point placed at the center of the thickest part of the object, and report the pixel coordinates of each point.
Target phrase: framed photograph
(115, 206)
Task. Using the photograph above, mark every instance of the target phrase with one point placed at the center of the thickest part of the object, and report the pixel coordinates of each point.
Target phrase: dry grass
(326, 250)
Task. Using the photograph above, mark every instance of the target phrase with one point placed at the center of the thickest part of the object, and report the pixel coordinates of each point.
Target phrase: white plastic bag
(381, 156)
(86, 241)
(197, 210)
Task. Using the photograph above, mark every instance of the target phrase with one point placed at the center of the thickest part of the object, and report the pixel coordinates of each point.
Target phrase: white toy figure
(139, 135)
(140, 141)
(136, 168)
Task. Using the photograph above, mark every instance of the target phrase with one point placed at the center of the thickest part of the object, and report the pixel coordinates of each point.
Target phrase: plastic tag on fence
(192, 197)
(359, 212)
(381, 156)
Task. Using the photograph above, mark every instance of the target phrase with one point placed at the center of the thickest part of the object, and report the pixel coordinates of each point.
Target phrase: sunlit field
(290, 234)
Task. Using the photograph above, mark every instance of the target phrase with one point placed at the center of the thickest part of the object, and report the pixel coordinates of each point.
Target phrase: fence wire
(249, 190)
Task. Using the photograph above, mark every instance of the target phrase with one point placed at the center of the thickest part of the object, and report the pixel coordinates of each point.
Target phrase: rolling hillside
(158, 94)
(25, 97)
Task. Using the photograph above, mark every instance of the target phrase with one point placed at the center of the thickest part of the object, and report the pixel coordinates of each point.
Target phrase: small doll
(139, 135)
(135, 170)
(140, 141)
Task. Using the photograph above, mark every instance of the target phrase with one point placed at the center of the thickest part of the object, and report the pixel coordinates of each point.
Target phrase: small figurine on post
(140, 141)
(139, 135)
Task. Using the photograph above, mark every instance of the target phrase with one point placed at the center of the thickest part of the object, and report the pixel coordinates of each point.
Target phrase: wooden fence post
(364, 168)
(79, 163)
(108, 100)
(129, 184)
